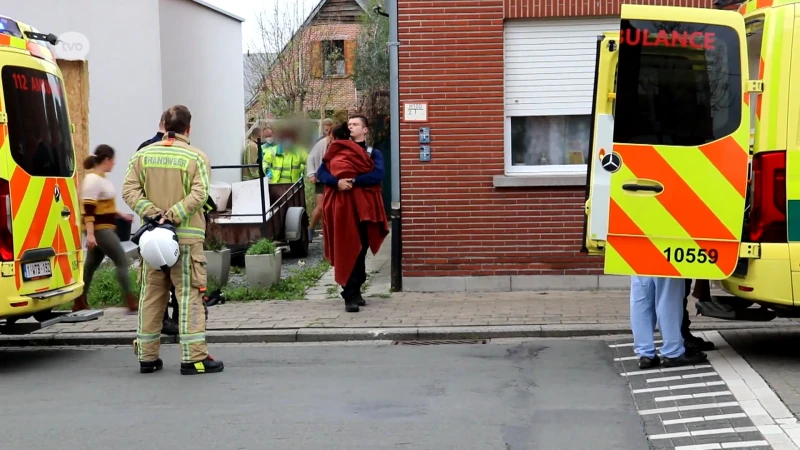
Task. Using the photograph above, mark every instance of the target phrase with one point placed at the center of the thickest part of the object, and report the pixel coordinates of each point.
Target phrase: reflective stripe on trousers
(188, 275)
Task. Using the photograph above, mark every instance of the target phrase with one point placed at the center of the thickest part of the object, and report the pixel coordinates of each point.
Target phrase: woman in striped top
(100, 223)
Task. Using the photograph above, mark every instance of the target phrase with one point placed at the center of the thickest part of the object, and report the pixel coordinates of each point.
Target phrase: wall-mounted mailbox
(425, 153)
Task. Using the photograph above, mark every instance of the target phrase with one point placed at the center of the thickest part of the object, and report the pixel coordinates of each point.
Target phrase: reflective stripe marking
(196, 337)
(148, 337)
(678, 197)
(729, 164)
(639, 252)
(142, 205)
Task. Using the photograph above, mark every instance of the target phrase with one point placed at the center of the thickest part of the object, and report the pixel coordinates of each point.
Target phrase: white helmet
(159, 247)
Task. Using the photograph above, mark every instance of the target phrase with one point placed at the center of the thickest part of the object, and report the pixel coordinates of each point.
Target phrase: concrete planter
(219, 265)
(263, 270)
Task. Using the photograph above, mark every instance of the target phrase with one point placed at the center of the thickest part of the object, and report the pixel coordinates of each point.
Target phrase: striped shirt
(99, 206)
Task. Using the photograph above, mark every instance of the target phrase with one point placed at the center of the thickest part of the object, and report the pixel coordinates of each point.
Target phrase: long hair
(101, 153)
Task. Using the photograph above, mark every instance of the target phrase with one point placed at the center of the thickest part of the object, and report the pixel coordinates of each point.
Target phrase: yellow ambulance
(694, 142)
(41, 257)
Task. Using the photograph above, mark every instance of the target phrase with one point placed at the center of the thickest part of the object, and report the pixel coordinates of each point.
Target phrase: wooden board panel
(76, 84)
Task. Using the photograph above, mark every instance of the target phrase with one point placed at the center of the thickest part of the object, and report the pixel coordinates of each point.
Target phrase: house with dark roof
(327, 41)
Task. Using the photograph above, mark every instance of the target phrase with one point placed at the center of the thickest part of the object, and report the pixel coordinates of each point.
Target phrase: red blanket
(344, 210)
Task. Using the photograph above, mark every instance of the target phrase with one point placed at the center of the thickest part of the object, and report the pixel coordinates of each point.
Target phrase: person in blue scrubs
(660, 301)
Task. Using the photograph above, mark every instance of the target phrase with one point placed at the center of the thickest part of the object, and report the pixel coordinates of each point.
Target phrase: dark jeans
(107, 245)
(686, 322)
(359, 275)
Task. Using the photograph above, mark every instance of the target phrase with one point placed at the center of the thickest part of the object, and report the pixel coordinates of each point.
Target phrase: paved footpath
(321, 316)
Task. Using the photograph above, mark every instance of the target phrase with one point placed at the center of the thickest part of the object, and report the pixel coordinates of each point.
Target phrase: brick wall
(520, 9)
(455, 223)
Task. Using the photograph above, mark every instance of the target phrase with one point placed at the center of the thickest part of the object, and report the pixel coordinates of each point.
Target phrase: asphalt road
(540, 394)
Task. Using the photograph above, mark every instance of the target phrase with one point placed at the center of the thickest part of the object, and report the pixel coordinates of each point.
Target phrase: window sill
(533, 180)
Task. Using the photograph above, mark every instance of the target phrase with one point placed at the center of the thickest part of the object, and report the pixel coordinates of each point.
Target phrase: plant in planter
(217, 255)
(262, 264)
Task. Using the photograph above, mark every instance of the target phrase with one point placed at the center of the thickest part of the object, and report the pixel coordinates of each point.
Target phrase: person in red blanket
(354, 218)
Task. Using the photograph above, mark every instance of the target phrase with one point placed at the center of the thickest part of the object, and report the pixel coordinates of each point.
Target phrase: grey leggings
(107, 244)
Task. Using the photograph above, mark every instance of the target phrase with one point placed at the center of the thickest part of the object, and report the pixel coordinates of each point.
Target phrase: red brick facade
(455, 222)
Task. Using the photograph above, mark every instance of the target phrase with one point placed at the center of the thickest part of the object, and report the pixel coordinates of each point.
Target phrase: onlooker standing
(354, 216)
(159, 135)
(327, 126)
(312, 164)
(659, 301)
(100, 221)
(250, 155)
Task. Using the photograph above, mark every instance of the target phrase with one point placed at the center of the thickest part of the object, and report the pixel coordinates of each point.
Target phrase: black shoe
(169, 327)
(208, 365)
(351, 304)
(151, 366)
(360, 300)
(695, 344)
(686, 359)
(648, 363)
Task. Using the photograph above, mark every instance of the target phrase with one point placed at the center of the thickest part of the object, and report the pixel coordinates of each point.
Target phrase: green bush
(292, 287)
(105, 291)
(262, 247)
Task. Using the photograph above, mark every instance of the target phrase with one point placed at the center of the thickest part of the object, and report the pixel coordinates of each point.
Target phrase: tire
(43, 316)
(299, 248)
(296, 231)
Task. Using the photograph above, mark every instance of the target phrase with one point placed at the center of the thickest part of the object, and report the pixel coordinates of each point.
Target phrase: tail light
(768, 212)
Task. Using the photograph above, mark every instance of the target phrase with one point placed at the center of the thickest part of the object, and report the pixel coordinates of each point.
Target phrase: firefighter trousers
(189, 277)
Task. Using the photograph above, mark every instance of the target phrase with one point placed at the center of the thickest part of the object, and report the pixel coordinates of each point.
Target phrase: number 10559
(690, 255)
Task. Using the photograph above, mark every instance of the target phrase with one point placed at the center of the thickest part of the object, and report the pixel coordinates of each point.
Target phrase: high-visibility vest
(284, 167)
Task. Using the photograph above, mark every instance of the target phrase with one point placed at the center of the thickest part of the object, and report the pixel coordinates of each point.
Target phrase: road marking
(691, 396)
(630, 344)
(724, 445)
(705, 418)
(683, 377)
(762, 406)
(679, 387)
(682, 434)
(688, 408)
(666, 370)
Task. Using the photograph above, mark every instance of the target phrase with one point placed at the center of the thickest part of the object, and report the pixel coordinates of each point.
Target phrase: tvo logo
(72, 46)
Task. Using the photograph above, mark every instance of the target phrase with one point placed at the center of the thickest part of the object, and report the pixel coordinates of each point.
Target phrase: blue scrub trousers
(657, 301)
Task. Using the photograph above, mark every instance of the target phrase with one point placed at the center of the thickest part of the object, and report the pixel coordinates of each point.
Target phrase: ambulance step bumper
(732, 308)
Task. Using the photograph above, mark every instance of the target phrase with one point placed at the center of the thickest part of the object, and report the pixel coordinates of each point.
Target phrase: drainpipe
(394, 101)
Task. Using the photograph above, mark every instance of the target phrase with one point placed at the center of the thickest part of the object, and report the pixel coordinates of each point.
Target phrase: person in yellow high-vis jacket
(285, 162)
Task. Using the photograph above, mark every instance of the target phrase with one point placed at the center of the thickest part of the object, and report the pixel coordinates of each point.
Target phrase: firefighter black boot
(151, 366)
(208, 365)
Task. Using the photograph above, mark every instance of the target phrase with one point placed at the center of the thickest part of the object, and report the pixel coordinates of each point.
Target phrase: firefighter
(170, 180)
(285, 161)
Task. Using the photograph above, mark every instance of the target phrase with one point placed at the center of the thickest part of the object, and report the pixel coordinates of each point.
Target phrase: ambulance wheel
(42, 316)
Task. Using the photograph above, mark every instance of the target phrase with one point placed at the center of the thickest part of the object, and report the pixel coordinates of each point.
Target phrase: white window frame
(555, 169)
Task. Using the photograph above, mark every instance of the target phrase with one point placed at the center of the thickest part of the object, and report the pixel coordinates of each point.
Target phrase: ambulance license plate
(37, 270)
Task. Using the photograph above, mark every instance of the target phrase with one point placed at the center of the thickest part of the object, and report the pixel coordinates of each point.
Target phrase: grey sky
(249, 9)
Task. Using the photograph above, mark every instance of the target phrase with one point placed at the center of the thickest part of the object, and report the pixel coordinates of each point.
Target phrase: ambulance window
(38, 126)
(679, 83)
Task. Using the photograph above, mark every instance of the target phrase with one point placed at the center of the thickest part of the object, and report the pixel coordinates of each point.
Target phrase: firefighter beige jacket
(170, 178)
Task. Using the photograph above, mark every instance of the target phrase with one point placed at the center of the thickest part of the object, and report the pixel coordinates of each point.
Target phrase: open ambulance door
(667, 189)
(595, 225)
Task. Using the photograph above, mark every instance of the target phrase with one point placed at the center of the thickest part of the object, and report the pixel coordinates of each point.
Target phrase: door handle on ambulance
(643, 187)
(66, 212)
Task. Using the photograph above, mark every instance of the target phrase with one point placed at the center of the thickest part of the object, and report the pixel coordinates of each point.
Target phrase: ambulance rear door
(598, 180)
(676, 172)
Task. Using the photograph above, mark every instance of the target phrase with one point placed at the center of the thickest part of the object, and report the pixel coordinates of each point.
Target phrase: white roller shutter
(549, 65)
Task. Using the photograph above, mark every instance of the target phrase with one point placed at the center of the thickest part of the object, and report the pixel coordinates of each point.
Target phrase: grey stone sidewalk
(321, 316)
